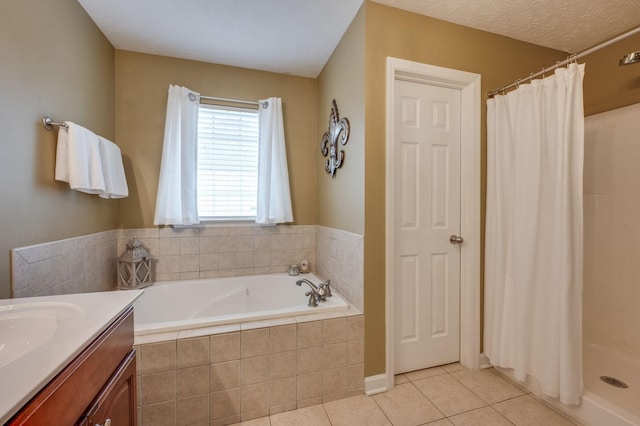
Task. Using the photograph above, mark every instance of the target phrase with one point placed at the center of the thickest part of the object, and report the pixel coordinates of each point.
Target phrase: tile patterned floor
(446, 395)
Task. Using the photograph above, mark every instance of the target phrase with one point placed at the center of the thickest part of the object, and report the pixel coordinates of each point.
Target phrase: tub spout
(316, 294)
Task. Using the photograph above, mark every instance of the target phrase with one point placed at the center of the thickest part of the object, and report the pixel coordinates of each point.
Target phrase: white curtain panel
(274, 198)
(176, 203)
(533, 252)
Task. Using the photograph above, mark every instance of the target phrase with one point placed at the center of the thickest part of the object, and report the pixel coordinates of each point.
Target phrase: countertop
(41, 335)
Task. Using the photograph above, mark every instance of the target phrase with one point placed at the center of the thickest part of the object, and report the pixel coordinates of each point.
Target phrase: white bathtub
(182, 305)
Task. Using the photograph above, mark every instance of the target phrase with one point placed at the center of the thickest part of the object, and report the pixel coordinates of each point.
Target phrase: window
(227, 163)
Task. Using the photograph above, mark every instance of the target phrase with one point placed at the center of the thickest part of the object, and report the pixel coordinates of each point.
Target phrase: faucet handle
(327, 288)
(313, 299)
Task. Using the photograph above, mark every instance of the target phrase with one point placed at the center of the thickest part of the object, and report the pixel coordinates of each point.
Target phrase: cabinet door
(116, 403)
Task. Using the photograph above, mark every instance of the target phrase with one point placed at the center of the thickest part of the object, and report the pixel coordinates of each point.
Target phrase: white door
(426, 209)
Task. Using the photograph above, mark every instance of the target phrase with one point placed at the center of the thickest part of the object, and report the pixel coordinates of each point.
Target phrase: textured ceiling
(298, 36)
(567, 25)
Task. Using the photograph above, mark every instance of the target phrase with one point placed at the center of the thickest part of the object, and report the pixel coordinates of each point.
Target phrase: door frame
(470, 174)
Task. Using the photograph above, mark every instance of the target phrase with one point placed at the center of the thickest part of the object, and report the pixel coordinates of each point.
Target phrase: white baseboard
(375, 384)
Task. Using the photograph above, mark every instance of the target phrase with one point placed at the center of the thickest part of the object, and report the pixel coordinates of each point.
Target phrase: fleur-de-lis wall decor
(338, 130)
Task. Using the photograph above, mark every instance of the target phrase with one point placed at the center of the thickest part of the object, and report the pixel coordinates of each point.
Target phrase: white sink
(25, 327)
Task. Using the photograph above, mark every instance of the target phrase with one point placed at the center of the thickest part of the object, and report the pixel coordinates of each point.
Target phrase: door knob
(454, 239)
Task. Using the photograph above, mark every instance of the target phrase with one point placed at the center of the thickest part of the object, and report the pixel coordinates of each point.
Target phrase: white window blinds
(227, 163)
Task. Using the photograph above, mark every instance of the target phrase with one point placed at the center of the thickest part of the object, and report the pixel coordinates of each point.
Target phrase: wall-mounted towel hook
(49, 124)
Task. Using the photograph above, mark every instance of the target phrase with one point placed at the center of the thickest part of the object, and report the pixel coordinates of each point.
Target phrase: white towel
(78, 159)
(114, 177)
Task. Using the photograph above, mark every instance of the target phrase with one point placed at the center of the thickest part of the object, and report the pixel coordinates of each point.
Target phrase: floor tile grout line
(382, 410)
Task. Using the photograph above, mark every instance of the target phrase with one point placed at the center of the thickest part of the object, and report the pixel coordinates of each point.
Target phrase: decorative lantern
(134, 266)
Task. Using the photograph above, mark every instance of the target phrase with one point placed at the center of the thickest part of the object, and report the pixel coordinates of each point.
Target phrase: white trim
(469, 86)
(375, 384)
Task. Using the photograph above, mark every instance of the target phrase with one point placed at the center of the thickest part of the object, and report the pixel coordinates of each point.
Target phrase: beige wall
(142, 82)
(341, 199)
(392, 32)
(54, 62)
(607, 85)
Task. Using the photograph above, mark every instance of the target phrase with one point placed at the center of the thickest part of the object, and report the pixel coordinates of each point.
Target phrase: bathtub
(184, 305)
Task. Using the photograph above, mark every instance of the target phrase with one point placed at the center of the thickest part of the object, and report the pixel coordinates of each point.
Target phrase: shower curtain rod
(571, 58)
(235, 101)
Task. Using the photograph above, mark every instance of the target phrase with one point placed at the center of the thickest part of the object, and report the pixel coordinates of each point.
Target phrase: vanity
(68, 360)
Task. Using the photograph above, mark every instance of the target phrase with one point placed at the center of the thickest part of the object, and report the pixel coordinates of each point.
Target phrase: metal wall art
(338, 130)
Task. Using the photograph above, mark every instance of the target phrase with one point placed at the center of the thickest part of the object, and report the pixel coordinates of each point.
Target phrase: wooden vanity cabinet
(97, 387)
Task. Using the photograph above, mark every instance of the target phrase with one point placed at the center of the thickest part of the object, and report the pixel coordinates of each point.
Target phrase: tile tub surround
(75, 265)
(223, 251)
(340, 256)
(87, 263)
(233, 376)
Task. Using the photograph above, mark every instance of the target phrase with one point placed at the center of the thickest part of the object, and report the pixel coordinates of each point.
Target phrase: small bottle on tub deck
(304, 266)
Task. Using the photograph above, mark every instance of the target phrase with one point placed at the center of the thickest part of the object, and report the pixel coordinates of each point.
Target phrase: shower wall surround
(612, 231)
(87, 263)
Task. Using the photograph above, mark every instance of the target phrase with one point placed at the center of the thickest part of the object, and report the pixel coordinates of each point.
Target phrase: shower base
(602, 404)
(621, 403)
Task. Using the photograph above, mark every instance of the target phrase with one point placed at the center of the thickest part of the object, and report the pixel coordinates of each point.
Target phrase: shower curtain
(533, 244)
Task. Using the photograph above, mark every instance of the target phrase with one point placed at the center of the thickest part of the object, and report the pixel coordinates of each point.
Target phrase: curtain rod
(235, 101)
(571, 58)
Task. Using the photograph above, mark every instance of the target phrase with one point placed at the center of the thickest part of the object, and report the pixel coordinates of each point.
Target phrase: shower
(631, 58)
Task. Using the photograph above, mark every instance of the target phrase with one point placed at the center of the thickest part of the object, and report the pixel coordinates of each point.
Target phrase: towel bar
(48, 123)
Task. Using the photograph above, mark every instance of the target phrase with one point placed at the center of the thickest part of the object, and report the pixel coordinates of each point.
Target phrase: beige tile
(169, 247)
(487, 385)
(334, 355)
(192, 352)
(399, 379)
(282, 338)
(254, 343)
(423, 374)
(355, 376)
(209, 262)
(192, 410)
(208, 245)
(355, 411)
(334, 381)
(190, 245)
(262, 421)
(282, 391)
(227, 260)
(355, 352)
(275, 409)
(309, 360)
(355, 327)
(225, 403)
(254, 370)
(225, 375)
(334, 396)
(163, 414)
(224, 347)
(254, 397)
(526, 411)
(450, 368)
(192, 381)
(159, 387)
(309, 416)
(309, 385)
(224, 421)
(283, 364)
(254, 414)
(355, 392)
(156, 358)
(448, 395)
(406, 405)
(443, 422)
(302, 403)
(309, 334)
(334, 330)
(485, 416)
